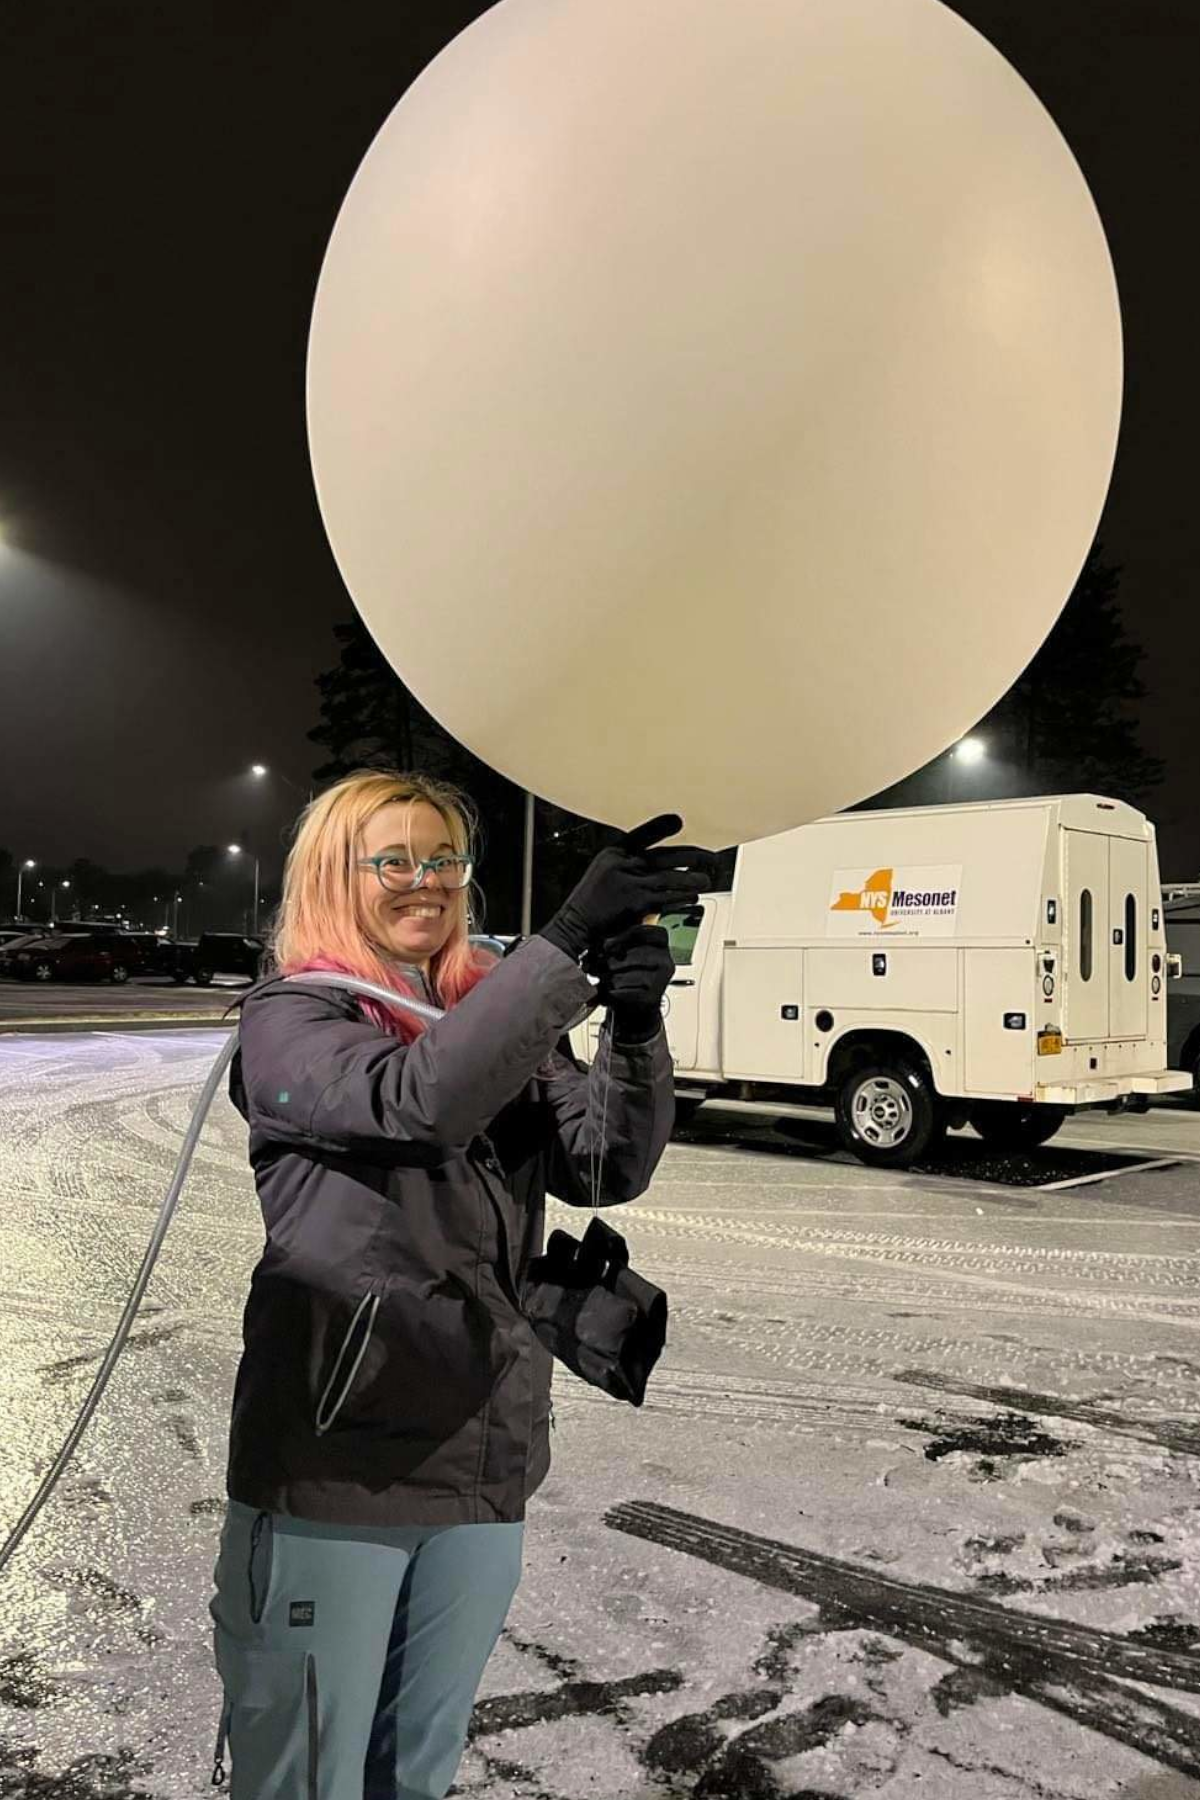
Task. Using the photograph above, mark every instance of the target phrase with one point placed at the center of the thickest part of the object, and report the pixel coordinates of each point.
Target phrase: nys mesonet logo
(896, 897)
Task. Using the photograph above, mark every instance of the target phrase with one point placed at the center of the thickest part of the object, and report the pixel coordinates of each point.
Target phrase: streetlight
(259, 770)
(53, 898)
(968, 753)
(236, 850)
(27, 864)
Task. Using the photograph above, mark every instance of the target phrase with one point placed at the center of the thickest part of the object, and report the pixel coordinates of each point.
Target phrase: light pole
(194, 890)
(527, 868)
(27, 864)
(236, 850)
(53, 899)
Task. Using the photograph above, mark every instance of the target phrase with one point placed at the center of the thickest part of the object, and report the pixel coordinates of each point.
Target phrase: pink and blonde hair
(321, 923)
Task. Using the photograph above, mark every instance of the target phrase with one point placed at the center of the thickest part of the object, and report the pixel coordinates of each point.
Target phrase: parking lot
(912, 1506)
(144, 1002)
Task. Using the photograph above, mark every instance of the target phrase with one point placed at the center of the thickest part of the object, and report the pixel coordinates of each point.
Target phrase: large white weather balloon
(712, 402)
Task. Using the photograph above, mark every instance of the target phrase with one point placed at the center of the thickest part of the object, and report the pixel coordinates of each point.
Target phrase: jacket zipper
(489, 1164)
(218, 1774)
(371, 1298)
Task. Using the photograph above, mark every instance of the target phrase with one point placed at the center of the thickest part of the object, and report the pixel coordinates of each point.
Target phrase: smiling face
(412, 925)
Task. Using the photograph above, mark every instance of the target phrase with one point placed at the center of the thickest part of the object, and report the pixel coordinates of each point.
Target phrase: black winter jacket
(388, 1376)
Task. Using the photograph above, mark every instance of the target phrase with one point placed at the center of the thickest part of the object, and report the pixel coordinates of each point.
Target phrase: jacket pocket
(415, 1359)
(351, 1351)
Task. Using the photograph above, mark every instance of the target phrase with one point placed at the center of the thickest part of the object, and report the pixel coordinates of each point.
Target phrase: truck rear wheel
(686, 1110)
(1193, 1068)
(1011, 1125)
(888, 1114)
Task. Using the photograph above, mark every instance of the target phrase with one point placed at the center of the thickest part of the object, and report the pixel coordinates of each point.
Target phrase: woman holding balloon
(739, 385)
(391, 1404)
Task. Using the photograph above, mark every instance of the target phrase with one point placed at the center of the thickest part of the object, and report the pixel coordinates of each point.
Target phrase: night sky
(166, 592)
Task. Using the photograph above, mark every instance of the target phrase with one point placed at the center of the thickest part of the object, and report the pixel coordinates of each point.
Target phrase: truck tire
(204, 977)
(686, 1110)
(888, 1114)
(179, 978)
(1011, 1125)
(1193, 1068)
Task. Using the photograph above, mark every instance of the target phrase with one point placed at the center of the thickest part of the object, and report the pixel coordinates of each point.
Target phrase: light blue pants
(350, 1656)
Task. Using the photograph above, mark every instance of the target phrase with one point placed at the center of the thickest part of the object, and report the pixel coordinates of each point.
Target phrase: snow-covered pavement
(912, 1507)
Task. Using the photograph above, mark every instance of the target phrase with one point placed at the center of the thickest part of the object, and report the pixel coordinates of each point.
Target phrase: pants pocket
(273, 1719)
(260, 1565)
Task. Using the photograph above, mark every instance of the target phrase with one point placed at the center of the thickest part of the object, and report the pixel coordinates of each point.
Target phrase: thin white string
(604, 1065)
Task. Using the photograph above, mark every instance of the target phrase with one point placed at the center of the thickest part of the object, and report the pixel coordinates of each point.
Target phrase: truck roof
(1077, 810)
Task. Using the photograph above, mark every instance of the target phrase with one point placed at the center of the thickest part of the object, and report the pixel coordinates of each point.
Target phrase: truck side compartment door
(763, 1024)
(1000, 1023)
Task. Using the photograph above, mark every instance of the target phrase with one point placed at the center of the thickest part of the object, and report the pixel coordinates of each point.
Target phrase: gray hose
(316, 977)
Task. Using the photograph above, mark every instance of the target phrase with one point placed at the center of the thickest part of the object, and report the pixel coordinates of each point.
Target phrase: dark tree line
(215, 893)
(1069, 723)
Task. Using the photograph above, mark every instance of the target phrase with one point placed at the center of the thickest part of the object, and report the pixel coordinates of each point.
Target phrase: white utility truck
(1000, 964)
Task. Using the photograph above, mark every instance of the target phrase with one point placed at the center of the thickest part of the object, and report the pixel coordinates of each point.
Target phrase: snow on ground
(912, 1507)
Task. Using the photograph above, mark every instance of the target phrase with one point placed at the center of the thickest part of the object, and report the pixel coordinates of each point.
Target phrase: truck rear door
(1106, 931)
(1128, 935)
(1085, 937)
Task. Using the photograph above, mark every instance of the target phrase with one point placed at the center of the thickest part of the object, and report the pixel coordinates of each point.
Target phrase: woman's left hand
(634, 970)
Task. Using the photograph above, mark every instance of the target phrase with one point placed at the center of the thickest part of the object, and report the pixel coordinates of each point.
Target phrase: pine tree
(370, 719)
(1066, 725)
(1069, 712)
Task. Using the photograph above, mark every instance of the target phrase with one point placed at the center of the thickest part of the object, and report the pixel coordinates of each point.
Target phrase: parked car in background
(217, 953)
(157, 952)
(85, 956)
(74, 927)
(1181, 917)
(18, 941)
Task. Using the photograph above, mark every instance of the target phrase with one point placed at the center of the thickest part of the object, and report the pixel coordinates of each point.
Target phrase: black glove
(634, 971)
(625, 882)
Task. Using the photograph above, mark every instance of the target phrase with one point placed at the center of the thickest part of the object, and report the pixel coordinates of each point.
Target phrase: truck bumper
(1112, 1087)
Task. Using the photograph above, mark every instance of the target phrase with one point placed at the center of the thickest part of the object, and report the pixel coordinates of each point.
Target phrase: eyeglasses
(396, 872)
